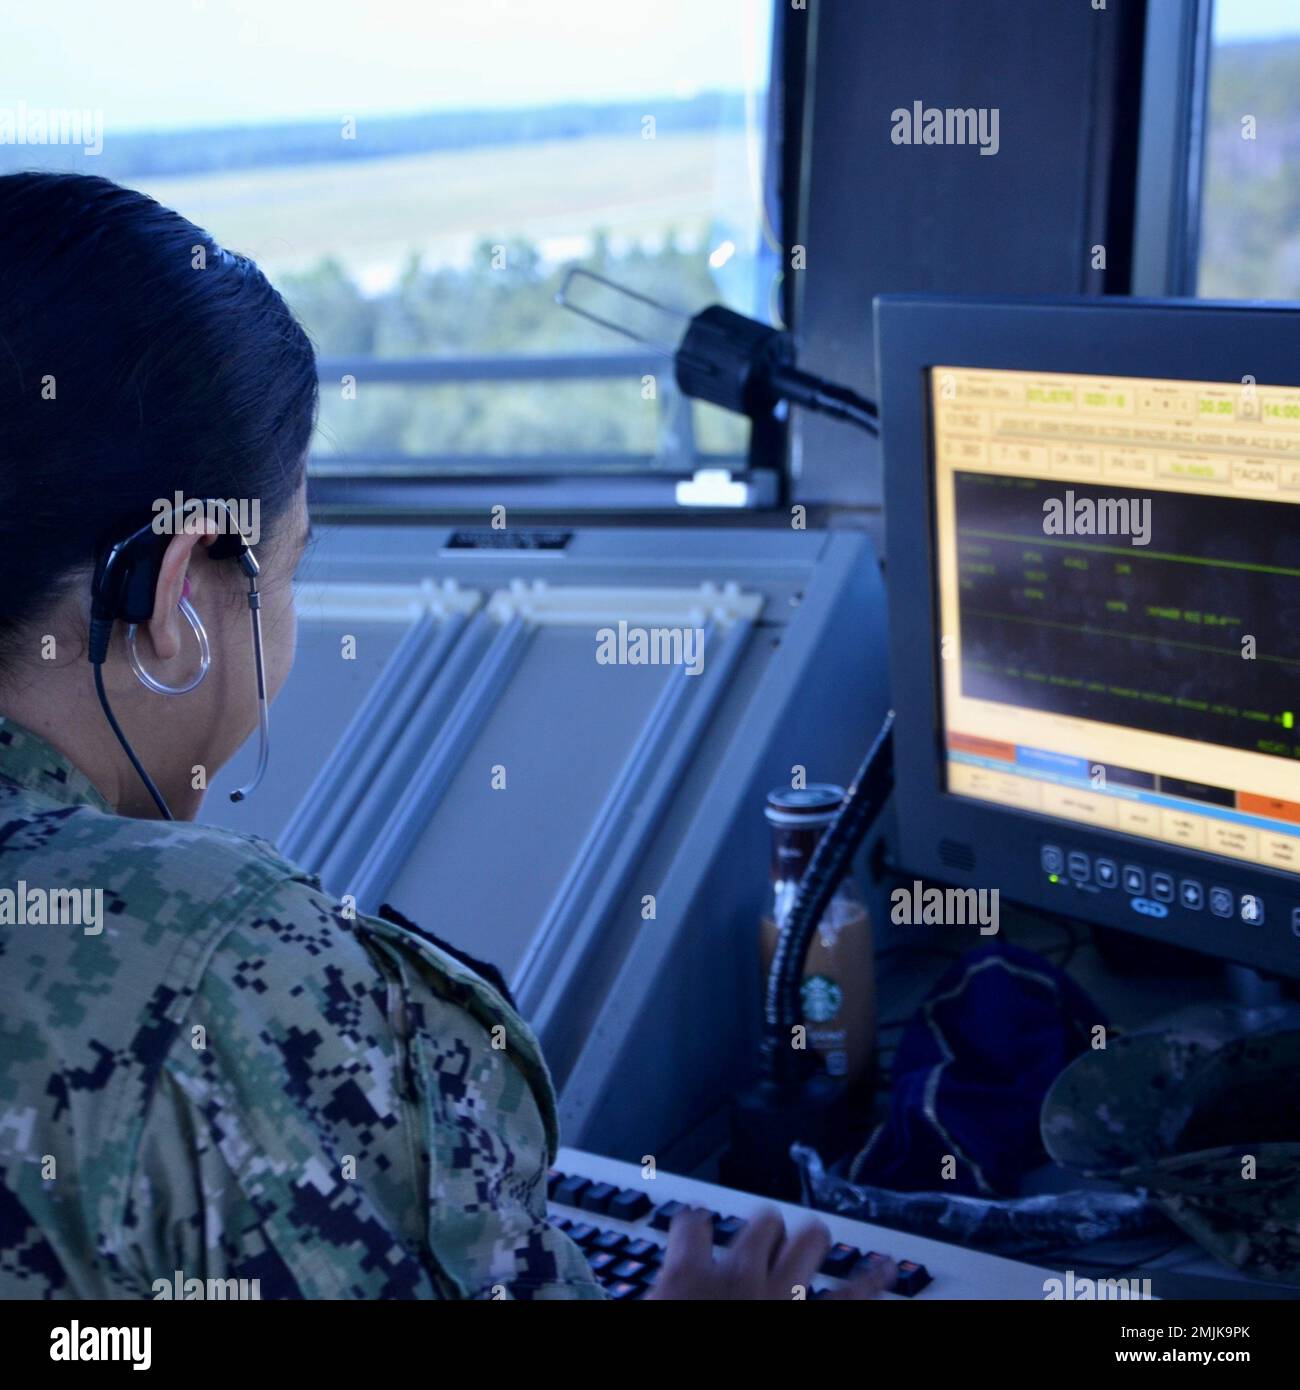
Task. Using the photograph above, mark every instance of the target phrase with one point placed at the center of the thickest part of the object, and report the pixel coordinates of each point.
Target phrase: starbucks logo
(822, 998)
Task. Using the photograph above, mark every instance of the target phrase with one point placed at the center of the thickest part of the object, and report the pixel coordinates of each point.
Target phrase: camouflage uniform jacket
(233, 1079)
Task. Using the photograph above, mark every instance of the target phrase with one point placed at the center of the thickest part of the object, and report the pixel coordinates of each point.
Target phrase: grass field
(372, 214)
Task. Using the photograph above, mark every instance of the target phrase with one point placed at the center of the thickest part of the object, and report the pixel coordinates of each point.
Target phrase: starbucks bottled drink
(838, 988)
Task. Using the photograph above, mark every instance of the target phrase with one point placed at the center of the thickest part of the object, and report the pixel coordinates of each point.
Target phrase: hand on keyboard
(761, 1263)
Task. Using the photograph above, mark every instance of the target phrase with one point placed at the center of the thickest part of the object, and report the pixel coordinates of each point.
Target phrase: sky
(174, 64)
(177, 64)
(1255, 19)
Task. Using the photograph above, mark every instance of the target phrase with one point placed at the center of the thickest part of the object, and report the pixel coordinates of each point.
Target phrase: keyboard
(619, 1218)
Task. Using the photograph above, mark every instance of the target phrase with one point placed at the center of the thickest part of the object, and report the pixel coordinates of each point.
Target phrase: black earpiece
(126, 576)
(122, 590)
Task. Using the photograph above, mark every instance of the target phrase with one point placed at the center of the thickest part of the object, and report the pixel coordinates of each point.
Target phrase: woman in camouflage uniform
(218, 1073)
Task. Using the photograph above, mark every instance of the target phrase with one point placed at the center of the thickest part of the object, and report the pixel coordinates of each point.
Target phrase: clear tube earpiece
(205, 655)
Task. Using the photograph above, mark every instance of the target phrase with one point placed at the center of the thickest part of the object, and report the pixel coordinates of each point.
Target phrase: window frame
(1171, 148)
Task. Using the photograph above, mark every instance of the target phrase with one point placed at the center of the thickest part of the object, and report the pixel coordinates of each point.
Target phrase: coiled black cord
(783, 1005)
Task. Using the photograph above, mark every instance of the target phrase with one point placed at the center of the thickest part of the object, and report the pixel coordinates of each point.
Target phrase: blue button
(1053, 859)
(1295, 921)
(1191, 894)
(1148, 907)
(1107, 873)
(1252, 909)
(1162, 888)
(1221, 902)
(1135, 879)
(1080, 866)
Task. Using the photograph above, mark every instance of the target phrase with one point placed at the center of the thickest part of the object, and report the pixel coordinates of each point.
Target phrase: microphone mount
(718, 356)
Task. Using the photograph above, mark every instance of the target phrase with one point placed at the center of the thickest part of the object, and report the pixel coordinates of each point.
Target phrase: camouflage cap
(1204, 1112)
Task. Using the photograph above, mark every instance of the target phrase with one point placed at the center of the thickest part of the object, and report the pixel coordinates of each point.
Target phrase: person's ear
(166, 629)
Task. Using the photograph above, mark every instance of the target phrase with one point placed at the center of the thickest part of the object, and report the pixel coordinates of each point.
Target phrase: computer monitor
(1092, 519)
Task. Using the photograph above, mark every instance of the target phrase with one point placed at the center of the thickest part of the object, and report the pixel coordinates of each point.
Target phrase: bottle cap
(815, 804)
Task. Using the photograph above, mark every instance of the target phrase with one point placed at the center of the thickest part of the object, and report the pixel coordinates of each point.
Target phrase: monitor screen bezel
(953, 838)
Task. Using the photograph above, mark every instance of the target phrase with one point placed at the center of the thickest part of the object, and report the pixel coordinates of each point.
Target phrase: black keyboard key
(630, 1269)
(598, 1197)
(609, 1240)
(840, 1260)
(553, 1179)
(664, 1214)
(867, 1264)
(583, 1233)
(727, 1229)
(622, 1289)
(628, 1205)
(568, 1191)
(912, 1278)
(601, 1261)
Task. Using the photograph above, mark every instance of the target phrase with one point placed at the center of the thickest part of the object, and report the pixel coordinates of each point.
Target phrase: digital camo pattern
(234, 1081)
(1207, 1119)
